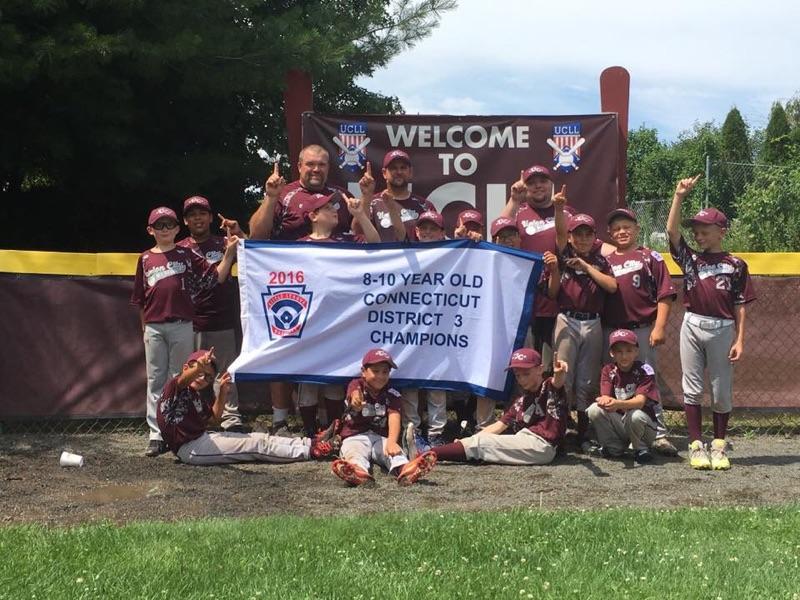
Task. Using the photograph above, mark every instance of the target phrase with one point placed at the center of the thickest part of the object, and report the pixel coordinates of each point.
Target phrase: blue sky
(689, 60)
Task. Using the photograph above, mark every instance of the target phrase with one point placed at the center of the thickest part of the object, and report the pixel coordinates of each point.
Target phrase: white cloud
(688, 60)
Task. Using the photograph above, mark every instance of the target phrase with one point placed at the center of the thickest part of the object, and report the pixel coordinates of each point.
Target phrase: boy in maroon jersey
(628, 409)
(505, 233)
(215, 314)
(185, 409)
(371, 427)
(320, 211)
(469, 224)
(643, 299)
(536, 421)
(578, 279)
(167, 278)
(716, 288)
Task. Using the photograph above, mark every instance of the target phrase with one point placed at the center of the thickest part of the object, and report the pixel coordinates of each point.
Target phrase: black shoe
(156, 448)
(236, 429)
(281, 429)
(643, 457)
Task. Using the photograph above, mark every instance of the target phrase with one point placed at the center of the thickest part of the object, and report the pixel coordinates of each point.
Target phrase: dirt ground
(119, 484)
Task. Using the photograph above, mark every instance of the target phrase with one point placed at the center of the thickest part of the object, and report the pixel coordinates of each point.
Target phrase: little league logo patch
(352, 142)
(566, 144)
(286, 309)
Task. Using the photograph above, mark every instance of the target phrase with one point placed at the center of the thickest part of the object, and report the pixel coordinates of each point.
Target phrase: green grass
(687, 554)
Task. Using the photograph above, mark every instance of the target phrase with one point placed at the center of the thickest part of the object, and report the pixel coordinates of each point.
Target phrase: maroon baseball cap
(317, 201)
(622, 335)
(524, 358)
(580, 219)
(536, 170)
(433, 217)
(395, 155)
(197, 355)
(196, 202)
(708, 216)
(471, 216)
(162, 212)
(623, 213)
(503, 223)
(375, 356)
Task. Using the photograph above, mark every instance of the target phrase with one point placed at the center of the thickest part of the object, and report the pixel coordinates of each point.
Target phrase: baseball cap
(433, 217)
(536, 170)
(395, 155)
(471, 216)
(622, 212)
(524, 358)
(375, 356)
(197, 355)
(317, 201)
(576, 221)
(622, 335)
(708, 216)
(503, 223)
(162, 212)
(196, 202)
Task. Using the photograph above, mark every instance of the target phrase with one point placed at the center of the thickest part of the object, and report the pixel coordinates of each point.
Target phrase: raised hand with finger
(560, 199)
(230, 226)
(367, 185)
(685, 186)
(275, 183)
(519, 190)
(560, 370)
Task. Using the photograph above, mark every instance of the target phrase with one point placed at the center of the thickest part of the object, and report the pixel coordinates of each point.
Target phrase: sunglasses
(161, 225)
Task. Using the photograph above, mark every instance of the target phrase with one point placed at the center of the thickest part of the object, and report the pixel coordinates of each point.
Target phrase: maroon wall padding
(72, 347)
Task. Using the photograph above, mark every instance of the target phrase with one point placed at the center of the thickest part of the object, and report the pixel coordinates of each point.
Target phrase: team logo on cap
(519, 356)
(352, 141)
(566, 144)
(286, 308)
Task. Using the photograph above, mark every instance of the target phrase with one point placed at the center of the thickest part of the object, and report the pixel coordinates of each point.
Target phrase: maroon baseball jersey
(578, 291)
(214, 308)
(166, 282)
(624, 385)
(713, 282)
(642, 281)
(374, 413)
(410, 210)
(289, 221)
(537, 233)
(543, 413)
(182, 414)
(335, 237)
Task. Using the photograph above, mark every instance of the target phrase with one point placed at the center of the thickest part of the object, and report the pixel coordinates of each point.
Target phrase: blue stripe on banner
(525, 319)
(396, 383)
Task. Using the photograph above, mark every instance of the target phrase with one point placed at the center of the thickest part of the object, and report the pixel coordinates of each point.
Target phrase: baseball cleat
(350, 473)
(416, 468)
(698, 457)
(643, 456)
(719, 456)
(156, 448)
(322, 444)
(664, 447)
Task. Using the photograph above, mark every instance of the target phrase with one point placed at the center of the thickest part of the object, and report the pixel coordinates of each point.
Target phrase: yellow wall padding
(28, 262)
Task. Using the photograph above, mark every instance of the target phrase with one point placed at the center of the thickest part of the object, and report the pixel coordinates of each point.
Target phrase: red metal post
(297, 98)
(615, 84)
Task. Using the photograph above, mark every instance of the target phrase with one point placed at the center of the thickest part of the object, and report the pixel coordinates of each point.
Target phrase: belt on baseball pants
(707, 322)
(634, 325)
(581, 316)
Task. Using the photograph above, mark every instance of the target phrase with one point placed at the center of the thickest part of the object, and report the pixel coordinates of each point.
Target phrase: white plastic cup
(68, 459)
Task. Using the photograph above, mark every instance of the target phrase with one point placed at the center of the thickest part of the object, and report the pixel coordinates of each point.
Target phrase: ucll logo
(352, 142)
(566, 144)
(286, 309)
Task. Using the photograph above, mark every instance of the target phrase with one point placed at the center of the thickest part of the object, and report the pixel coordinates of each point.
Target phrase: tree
(736, 156)
(110, 108)
(776, 137)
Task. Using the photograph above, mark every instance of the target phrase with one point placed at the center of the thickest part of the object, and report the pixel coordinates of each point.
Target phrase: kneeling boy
(537, 420)
(628, 409)
(184, 411)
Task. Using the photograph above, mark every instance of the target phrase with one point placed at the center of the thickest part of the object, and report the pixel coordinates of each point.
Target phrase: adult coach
(398, 172)
(281, 215)
(531, 206)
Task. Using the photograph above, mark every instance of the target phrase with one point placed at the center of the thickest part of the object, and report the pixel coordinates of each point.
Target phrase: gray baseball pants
(220, 448)
(615, 431)
(705, 344)
(363, 448)
(521, 448)
(580, 345)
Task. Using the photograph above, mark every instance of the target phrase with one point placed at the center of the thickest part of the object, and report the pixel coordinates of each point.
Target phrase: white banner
(450, 313)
